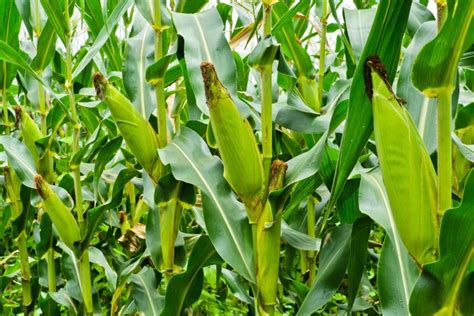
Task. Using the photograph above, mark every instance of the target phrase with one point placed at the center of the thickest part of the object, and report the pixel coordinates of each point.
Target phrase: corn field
(260, 157)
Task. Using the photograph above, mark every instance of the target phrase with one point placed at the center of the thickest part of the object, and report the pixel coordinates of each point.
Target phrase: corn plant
(272, 157)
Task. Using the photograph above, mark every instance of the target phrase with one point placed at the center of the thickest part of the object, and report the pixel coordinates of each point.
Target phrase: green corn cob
(31, 133)
(235, 139)
(407, 170)
(59, 213)
(137, 132)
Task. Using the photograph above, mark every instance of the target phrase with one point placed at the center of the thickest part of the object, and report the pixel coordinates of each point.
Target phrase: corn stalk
(83, 260)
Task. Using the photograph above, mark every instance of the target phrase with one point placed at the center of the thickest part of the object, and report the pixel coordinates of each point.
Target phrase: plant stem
(85, 279)
(170, 215)
(76, 135)
(6, 121)
(161, 107)
(160, 85)
(51, 270)
(267, 19)
(311, 233)
(25, 271)
(444, 152)
(84, 264)
(266, 98)
(133, 203)
(42, 108)
(322, 51)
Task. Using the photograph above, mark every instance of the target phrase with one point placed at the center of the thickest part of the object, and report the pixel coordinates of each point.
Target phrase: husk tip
(374, 63)
(38, 180)
(18, 110)
(277, 174)
(209, 76)
(100, 85)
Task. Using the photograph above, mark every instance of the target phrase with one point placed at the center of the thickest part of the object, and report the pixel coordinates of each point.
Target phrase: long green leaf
(445, 287)
(358, 24)
(332, 267)
(184, 289)
(204, 40)
(46, 47)
(21, 160)
(140, 49)
(10, 24)
(145, 292)
(55, 11)
(397, 272)
(103, 35)
(421, 108)
(11, 55)
(435, 66)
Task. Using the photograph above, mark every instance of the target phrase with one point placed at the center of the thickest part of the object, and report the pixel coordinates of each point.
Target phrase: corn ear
(59, 213)
(407, 170)
(13, 187)
(268, 243)
(235, 139)
(308, 87)
(137, 132)
(31, 133)
(268, 256)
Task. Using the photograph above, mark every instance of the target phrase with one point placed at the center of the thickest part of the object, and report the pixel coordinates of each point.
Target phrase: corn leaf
(204, 41)
(435, 66)
(20, 159)
(11, 55)
(358, 24)
(397, 272)
(139, 57)
(103, 35)
(10, 24)
(185, 288)
(145, 292)
(421, 108)
(46, 47)
(445, 287)
(56, 13)
(332, 267)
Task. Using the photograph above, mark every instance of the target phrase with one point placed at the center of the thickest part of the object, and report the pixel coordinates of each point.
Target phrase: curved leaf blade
(397, 272)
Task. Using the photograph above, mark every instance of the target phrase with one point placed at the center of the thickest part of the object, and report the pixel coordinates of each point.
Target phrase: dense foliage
(240, 157)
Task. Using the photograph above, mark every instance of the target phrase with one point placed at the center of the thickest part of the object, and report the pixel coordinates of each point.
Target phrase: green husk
(59, 213)
(268, 230)
(407, 170)
(136, 131)
(236, 142)
(31, 133)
